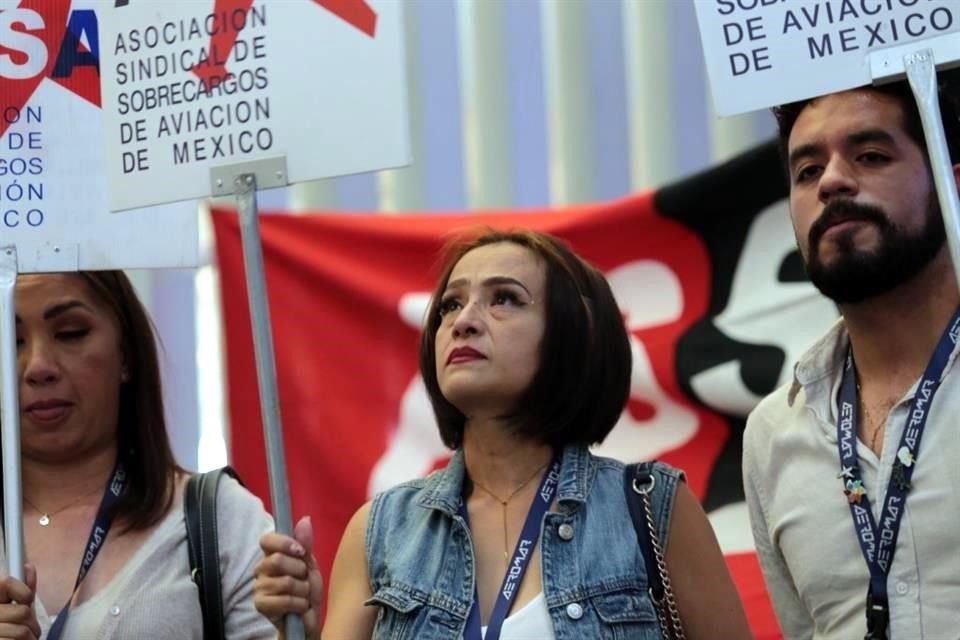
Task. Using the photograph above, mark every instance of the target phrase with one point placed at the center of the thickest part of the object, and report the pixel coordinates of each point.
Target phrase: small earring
(124, 374)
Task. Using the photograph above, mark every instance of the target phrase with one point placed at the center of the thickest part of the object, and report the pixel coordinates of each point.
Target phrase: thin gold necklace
(45, 516)
(867, 420)
(504, 502)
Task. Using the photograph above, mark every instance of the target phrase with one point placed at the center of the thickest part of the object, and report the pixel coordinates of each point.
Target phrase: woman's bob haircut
(583, 380)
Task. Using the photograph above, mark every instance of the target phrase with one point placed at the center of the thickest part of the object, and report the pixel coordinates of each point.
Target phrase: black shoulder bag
(200, 514)
(638, 483)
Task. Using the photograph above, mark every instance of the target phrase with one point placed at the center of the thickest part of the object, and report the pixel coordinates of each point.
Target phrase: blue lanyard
(98, 533)
(878, 544)
(518, 563)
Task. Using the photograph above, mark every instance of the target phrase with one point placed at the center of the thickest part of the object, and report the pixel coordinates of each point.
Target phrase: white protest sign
(760, 53)
(53, 191)
(196, 85)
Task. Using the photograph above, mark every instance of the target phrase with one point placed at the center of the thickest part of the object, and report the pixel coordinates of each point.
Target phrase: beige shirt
(153, 596)
(814, 569)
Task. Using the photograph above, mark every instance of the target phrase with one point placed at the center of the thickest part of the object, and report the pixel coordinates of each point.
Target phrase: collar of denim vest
(442, 489)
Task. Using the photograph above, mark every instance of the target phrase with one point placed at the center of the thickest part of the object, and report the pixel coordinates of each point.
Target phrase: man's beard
(857, 275)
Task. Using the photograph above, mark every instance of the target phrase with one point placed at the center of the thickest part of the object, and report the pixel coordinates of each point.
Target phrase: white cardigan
(152, 596)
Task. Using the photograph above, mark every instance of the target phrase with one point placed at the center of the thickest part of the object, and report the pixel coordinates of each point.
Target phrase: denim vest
(421, 561)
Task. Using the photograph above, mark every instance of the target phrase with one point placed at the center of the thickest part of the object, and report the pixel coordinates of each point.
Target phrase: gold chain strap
(667, 610)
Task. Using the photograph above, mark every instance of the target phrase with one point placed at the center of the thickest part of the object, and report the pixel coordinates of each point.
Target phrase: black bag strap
(642, 473)
(200, 515)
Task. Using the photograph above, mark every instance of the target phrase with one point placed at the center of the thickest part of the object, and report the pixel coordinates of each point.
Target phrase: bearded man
(851, 470)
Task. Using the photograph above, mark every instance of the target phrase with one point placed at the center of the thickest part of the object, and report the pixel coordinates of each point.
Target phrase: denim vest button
(574, 611)
(565, 531)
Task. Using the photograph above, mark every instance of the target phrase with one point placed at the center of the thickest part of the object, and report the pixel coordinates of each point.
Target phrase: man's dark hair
(949, 98)
(142, 442)
(583, 378)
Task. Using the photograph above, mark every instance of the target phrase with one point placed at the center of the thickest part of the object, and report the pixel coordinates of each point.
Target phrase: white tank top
(531, 621)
